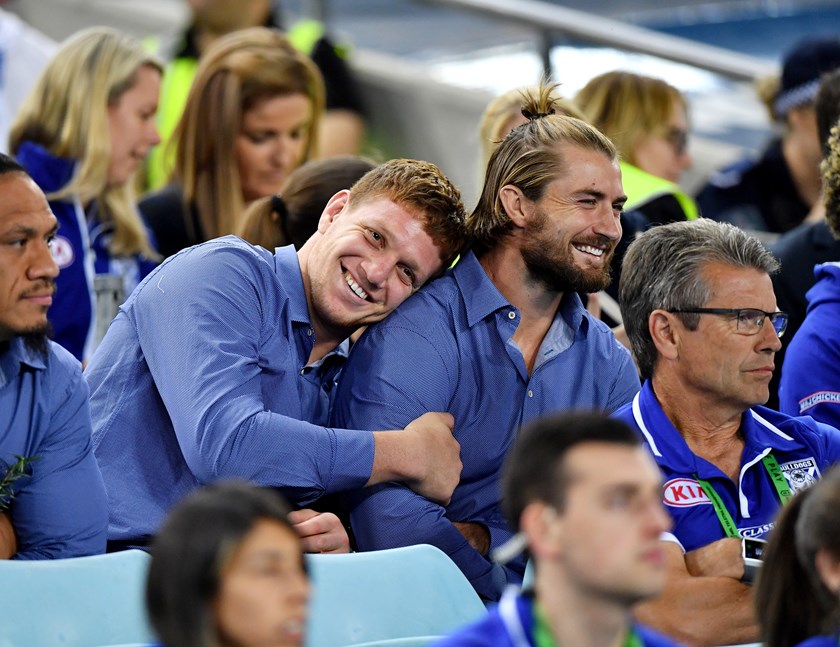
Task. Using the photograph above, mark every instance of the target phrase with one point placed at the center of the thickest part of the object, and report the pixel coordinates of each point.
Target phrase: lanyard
(726, 520)
(543, 637)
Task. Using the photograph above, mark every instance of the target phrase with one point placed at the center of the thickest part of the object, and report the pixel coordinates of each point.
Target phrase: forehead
(404, 228)
(586, 170)
(22, 203)
(293, 107)
(738, 287)
(599, 466)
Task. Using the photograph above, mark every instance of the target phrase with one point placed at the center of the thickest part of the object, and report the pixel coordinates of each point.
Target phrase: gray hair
(663, 270)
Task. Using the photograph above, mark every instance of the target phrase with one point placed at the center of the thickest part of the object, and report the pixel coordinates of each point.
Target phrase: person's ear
(335, 207)
(665, 333)
(517, 207)
(828, 567)
(544, 529)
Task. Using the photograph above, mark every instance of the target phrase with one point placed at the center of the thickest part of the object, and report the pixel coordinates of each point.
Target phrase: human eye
(750, 320)
(257, 137)
(375, 236)
(297, 134)
(407, 275)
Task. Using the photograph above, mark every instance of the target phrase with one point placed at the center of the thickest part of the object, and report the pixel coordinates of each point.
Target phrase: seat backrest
(387, 594)
(81, 601)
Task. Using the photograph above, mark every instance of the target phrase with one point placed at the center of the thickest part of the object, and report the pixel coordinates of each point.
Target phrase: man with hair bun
(499, 340)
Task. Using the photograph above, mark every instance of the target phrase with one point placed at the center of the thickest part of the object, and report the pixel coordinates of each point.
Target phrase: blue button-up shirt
(60, 509)
(203, 375)
(450, 348)
(803, 448)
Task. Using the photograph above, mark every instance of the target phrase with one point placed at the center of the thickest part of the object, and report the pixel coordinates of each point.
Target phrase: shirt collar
(670, 448)
(16, 355)
(482, 297)
(51, 173)
(287, 267)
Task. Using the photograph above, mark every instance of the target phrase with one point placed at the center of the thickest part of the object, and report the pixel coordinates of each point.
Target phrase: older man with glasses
(700, 312)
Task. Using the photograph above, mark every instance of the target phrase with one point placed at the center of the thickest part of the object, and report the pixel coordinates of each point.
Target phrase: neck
(537, 304)
(326, 337)
(711, 430)
(577, 618)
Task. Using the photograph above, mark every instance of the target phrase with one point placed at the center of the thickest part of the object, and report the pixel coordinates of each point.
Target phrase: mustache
(43, 284)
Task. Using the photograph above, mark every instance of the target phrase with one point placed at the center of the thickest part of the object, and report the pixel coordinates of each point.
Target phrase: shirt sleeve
(205, 329)
(626, 384)
(61, 509)
(392, 515)
(809, 385)
(395, 374)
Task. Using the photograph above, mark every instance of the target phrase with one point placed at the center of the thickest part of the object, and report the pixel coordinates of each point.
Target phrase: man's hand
(721, 558)
(321, 532)
(8, 541)
(476, 535)
(436, 456)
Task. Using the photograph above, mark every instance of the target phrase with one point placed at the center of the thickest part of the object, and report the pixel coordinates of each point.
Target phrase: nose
(378, 269)
(608, 224)
(297, 588)
(43, 265)
(283, 153)
(658, 518)
(152, 133)
(686, 160)
(768, 338)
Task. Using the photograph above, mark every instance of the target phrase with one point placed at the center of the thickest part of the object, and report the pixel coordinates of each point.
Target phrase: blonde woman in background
(251, 118)
(81, 134)
(647, 120)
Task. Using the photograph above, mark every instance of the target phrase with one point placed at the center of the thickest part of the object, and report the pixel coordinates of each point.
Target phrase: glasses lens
(779, 321)
(678, 138)
(750, 321)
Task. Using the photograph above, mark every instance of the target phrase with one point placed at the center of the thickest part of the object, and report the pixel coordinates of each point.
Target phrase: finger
(299, 516)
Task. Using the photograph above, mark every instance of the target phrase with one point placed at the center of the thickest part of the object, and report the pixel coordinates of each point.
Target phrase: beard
(556, 268)
(38, 339)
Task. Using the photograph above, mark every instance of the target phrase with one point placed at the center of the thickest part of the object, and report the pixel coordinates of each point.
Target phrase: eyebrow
(600, 195)
(28, 232)
(389, 237)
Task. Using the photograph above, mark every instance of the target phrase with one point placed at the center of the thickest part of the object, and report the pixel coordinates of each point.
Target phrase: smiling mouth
(355, 287)
(592, 250)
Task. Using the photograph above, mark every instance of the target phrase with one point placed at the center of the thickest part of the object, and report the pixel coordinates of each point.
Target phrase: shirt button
(303, 371)
(511, 315)
(530, 393)
(309, 332)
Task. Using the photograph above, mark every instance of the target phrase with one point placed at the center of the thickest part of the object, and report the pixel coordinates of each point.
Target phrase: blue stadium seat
(414, 592)
(77, 602)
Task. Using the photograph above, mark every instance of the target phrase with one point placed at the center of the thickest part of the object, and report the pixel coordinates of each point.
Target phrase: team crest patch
(62, 252)
(801, 474)
(683, 493)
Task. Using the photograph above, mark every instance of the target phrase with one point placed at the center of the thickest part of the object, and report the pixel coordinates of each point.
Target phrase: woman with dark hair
(798, 591)
(227, 569)
(291, 216)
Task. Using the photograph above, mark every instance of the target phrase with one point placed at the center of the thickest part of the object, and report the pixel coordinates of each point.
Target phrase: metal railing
(550, 19)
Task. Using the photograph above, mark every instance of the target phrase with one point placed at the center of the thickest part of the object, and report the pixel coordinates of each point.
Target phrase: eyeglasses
(678, 138)
(749, 320)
